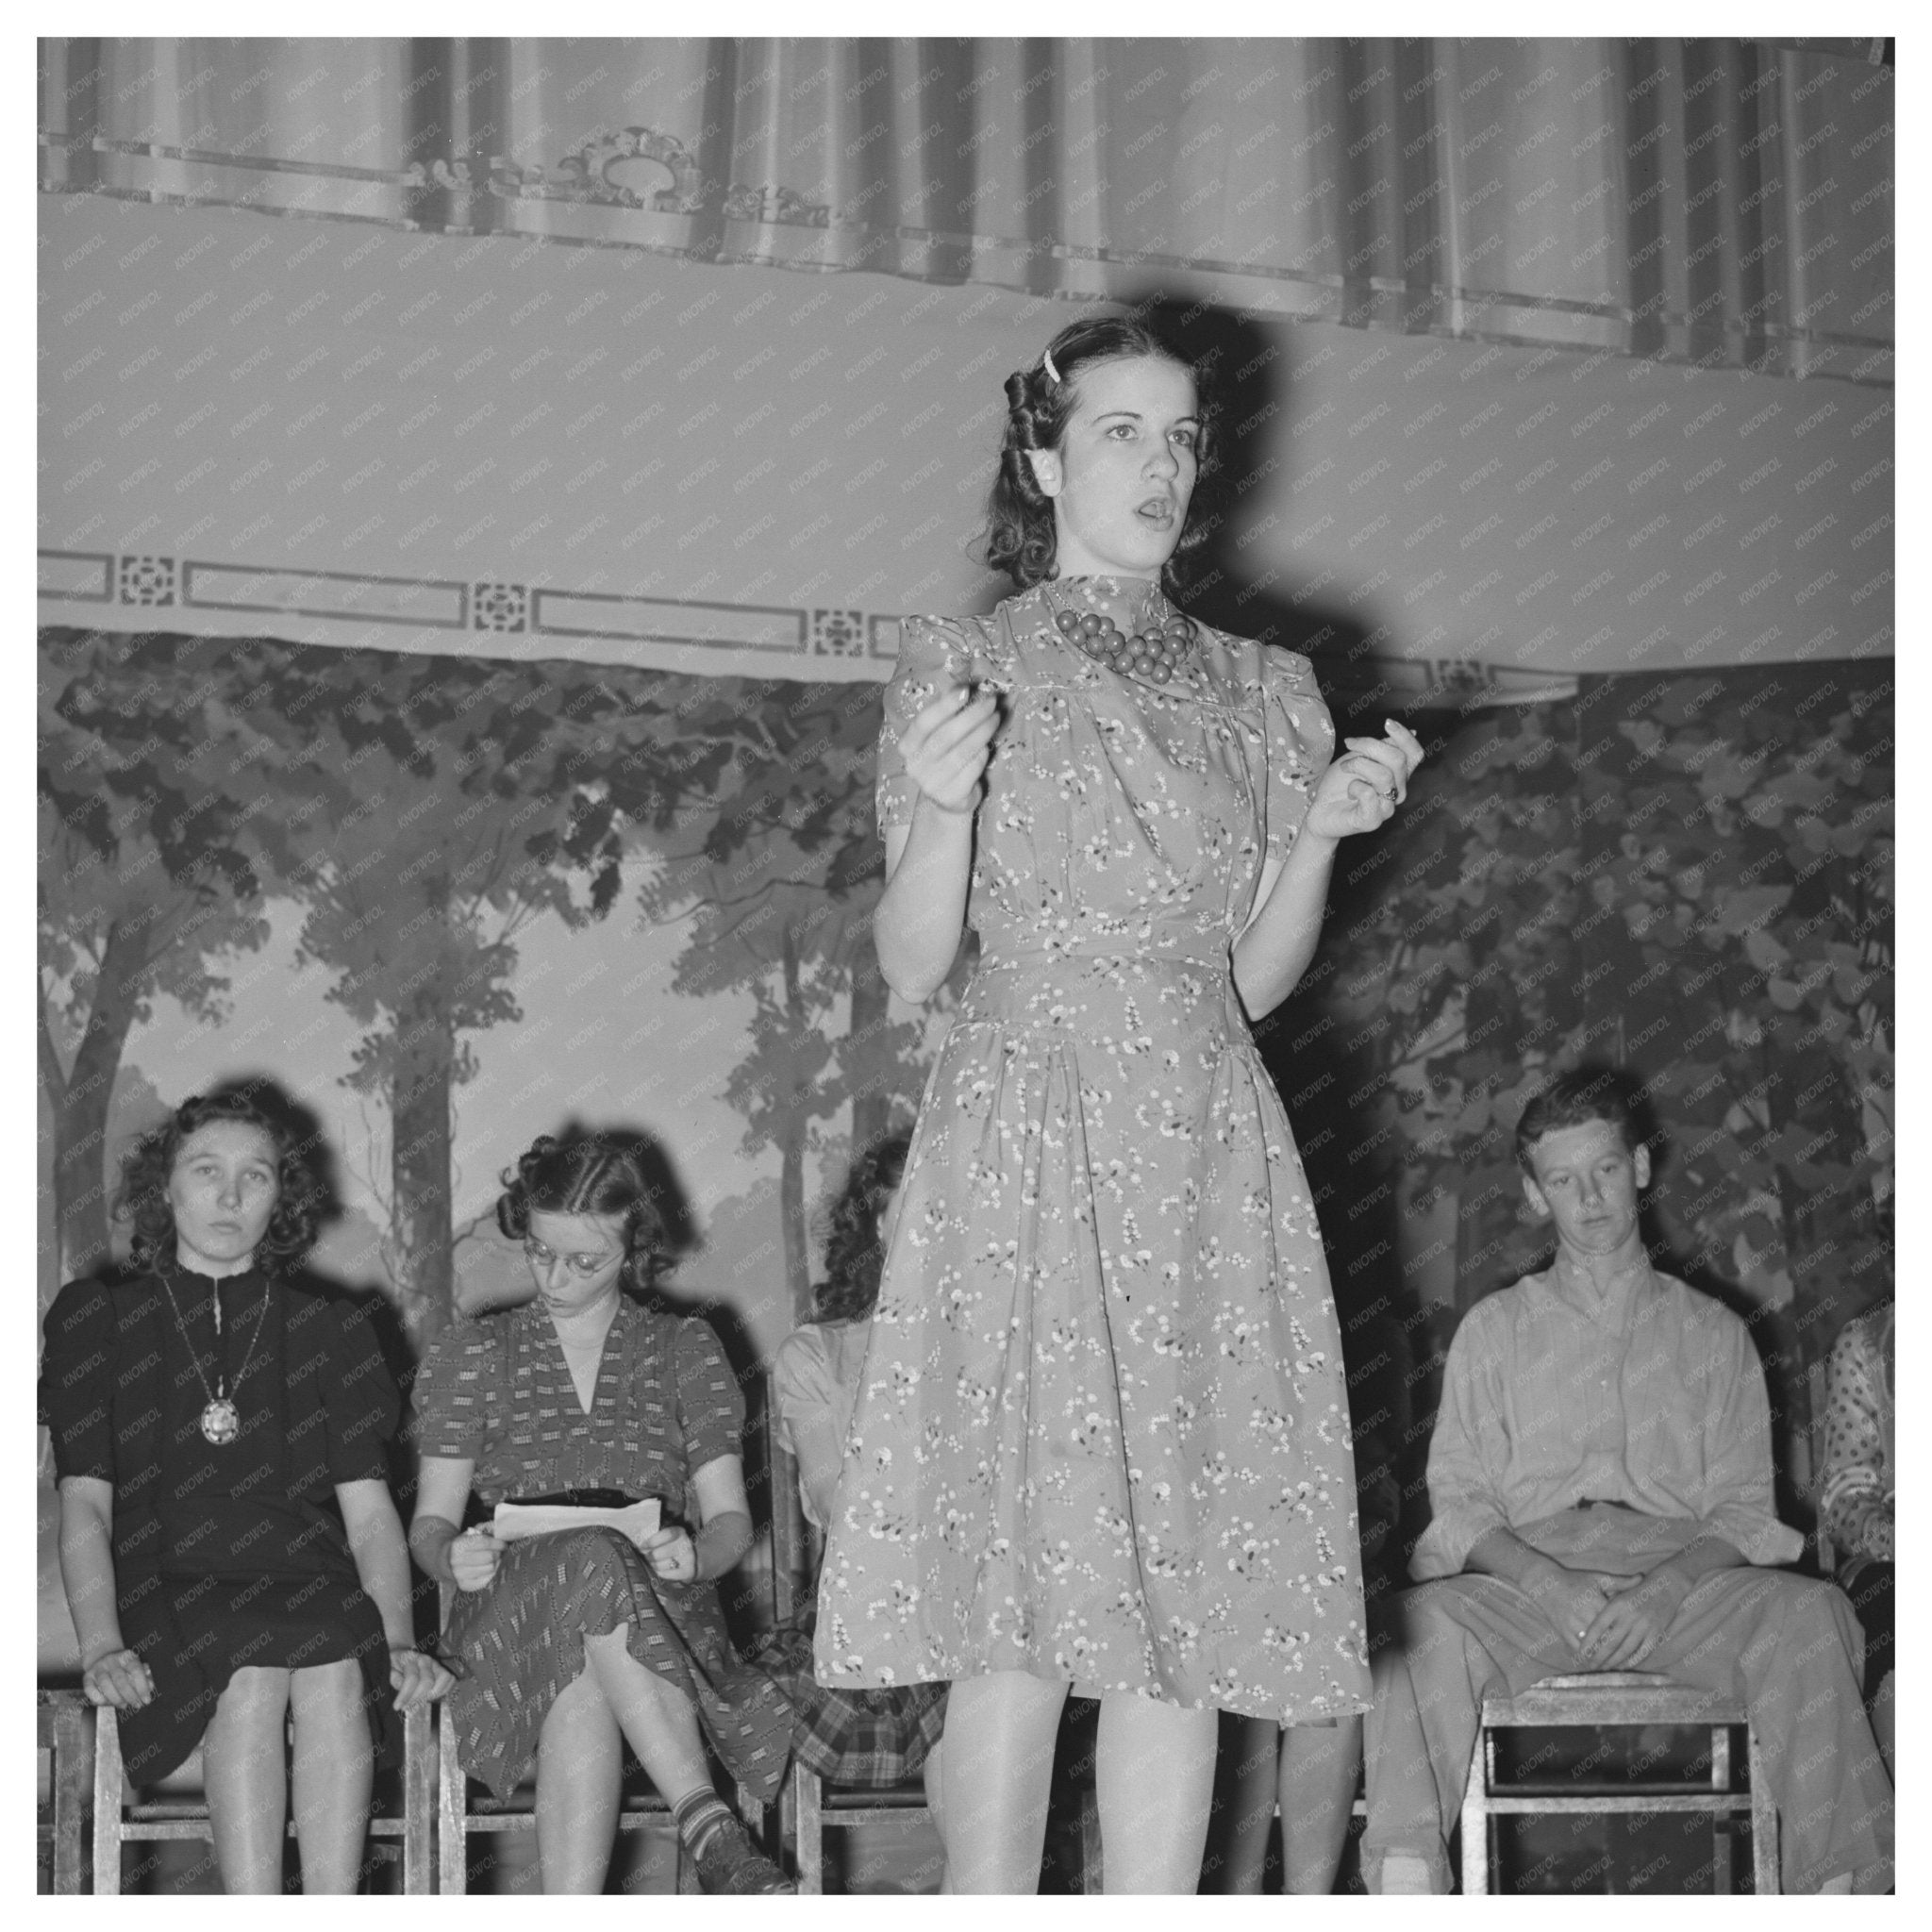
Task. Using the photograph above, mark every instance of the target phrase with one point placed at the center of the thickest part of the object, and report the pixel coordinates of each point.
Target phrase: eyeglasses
(582, 1265)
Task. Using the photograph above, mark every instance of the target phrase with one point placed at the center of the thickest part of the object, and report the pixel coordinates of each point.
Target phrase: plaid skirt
(521, 1642)
(869, 1739)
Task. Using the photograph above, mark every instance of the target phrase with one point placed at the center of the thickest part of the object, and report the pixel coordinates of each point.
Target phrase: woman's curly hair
(854, 1254)
(588, 1173)
(1020, 533)
(147, 1166)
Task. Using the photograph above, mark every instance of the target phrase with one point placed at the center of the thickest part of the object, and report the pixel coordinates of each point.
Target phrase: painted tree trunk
(793, 1115)
(419, 1173)
(871, 1104)
(82, 1186)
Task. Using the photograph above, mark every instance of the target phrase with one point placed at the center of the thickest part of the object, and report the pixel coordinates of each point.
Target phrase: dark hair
(854, 1255)
(148, 1165)
(1574, 1100)
(587, 1173)
(1020, 535)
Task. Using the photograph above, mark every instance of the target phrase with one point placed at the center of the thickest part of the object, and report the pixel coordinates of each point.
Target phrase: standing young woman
(206, 1412)
(1101, 1440)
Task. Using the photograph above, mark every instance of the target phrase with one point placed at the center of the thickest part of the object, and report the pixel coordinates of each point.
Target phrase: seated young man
(1599, 1480)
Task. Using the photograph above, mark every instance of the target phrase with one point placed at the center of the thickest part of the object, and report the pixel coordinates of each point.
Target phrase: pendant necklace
(221, 1421)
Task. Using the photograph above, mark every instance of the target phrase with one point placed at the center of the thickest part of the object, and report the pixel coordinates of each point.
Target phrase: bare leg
(1154, 1773)
(658, 1722)
(579, 1770)
(248, 1773)
(1245, 1780)
(935, 1803)
(1000, 1732)
(1320, 1764)
(335, 1765)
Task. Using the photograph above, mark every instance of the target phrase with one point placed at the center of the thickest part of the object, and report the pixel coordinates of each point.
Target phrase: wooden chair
(169, 1815)
(64, 1726)
(810, 1808)
(1612, 1698)
(461, 1810)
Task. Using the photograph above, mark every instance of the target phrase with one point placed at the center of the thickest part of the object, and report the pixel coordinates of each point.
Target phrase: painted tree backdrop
(419, 815)
(495, 873)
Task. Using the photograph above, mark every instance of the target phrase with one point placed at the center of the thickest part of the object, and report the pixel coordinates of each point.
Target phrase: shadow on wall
(1234, 587)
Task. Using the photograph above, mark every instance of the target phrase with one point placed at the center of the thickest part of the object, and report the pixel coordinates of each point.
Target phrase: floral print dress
(1102, 1434)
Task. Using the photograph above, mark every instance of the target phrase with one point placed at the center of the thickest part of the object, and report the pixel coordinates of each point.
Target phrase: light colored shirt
(815, 1377)
(1858, 1492)
(1649, 1395)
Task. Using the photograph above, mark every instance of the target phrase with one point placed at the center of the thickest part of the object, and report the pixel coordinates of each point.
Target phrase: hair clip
(1053, 375)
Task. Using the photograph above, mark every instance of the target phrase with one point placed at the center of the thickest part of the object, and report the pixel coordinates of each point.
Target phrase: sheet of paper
(513, 1521)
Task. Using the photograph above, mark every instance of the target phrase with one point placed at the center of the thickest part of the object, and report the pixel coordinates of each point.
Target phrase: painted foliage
(412, 822)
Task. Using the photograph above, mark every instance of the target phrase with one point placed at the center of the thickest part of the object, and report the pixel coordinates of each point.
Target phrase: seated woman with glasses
(575, 1643)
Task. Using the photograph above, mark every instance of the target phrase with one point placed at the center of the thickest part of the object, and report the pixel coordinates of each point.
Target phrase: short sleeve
(1855, 1501)
(453, 1398)
(1300, 742)
(802, 1380)
(812, 1411)
(362, 1404)
(710, 1406)
(933, 654)
(74, 1392)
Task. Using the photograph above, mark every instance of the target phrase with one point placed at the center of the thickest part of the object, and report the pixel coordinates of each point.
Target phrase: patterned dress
(1103, 1432)
(498, 1394)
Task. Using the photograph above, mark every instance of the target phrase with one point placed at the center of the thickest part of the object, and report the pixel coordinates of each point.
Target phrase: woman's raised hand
(118, 1678)
(947, 744)
(1361, 789)
(474, 1557)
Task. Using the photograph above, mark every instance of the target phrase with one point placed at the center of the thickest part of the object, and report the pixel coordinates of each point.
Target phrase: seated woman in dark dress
(227, 1541)
(575, 1643)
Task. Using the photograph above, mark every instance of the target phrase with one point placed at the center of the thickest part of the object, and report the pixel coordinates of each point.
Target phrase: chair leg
(1475, 1819)
(108, 1780)
(806, 1808)
(452, 1841)
(784, 1845)
(1764, 1862)
(1722, 1825)
(68, 1792)
(419, 1800)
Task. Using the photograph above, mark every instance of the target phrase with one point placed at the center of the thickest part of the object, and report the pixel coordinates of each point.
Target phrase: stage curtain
(1726, 202)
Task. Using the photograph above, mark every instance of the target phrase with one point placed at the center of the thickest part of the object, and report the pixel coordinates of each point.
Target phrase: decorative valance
(1721, 202)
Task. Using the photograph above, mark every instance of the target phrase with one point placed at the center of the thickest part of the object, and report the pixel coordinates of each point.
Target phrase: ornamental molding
(637, 168)
(498, 615)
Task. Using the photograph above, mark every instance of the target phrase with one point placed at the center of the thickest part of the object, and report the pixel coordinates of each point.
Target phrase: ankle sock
(699, 1815)
(1405, 1876)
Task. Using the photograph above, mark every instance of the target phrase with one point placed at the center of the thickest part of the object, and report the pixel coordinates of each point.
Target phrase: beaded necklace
(1158, 650)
